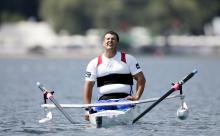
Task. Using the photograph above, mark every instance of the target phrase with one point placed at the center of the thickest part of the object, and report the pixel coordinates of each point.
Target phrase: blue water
(20, 98)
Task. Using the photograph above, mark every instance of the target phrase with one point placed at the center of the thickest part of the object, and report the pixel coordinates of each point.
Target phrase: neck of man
(110, 53)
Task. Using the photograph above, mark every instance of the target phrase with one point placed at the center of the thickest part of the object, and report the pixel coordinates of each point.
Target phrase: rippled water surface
(20, 98)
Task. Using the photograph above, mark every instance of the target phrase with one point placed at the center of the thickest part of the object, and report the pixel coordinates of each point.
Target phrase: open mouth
(110, 44)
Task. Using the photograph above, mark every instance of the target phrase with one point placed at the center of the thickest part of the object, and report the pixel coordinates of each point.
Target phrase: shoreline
(90, 55)
(51, 54)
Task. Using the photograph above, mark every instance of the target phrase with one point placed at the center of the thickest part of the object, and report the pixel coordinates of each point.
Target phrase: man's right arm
(87, 96)
(88, 87)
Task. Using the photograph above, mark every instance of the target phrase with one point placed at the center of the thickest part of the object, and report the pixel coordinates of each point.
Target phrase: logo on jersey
(138, 66)
(88, 74)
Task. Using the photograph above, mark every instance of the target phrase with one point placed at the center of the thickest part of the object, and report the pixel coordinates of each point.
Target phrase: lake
(20, 99)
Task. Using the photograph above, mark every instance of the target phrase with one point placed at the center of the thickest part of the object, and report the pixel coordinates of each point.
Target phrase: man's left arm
(139, 77)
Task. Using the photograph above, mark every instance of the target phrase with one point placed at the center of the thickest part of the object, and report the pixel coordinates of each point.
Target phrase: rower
(114, 72)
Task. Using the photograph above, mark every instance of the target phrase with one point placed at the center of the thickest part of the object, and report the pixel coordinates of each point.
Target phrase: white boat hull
(108, 118)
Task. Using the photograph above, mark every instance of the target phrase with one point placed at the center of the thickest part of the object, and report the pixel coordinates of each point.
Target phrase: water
(20, 98)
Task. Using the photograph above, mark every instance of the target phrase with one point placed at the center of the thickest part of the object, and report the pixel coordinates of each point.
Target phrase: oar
(50, 96)
(176, 86)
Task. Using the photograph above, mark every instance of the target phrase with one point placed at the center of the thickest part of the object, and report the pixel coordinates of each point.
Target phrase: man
(114, 72)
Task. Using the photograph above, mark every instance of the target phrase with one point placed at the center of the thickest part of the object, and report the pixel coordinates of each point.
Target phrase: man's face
(110, 42)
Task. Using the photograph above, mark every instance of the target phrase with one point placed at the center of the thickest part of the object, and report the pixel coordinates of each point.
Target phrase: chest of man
(112, 66)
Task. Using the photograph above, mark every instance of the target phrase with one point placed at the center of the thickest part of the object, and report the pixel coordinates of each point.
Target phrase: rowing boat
(130, 115)
(108, 118)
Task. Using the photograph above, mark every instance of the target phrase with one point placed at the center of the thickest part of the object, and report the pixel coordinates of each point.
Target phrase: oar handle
(178, 85)
(42, 88)
(185, 79)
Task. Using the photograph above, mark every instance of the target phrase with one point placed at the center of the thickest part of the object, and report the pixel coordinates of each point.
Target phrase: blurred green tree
(68, 15)
(76, 16)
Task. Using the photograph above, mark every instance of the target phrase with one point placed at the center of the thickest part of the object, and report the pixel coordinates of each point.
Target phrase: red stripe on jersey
(99, 60)
(123, 58)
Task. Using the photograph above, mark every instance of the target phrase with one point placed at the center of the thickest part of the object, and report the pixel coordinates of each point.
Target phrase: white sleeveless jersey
(110, 66)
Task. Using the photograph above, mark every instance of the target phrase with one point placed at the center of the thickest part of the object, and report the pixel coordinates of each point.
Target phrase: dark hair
(113, 33)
